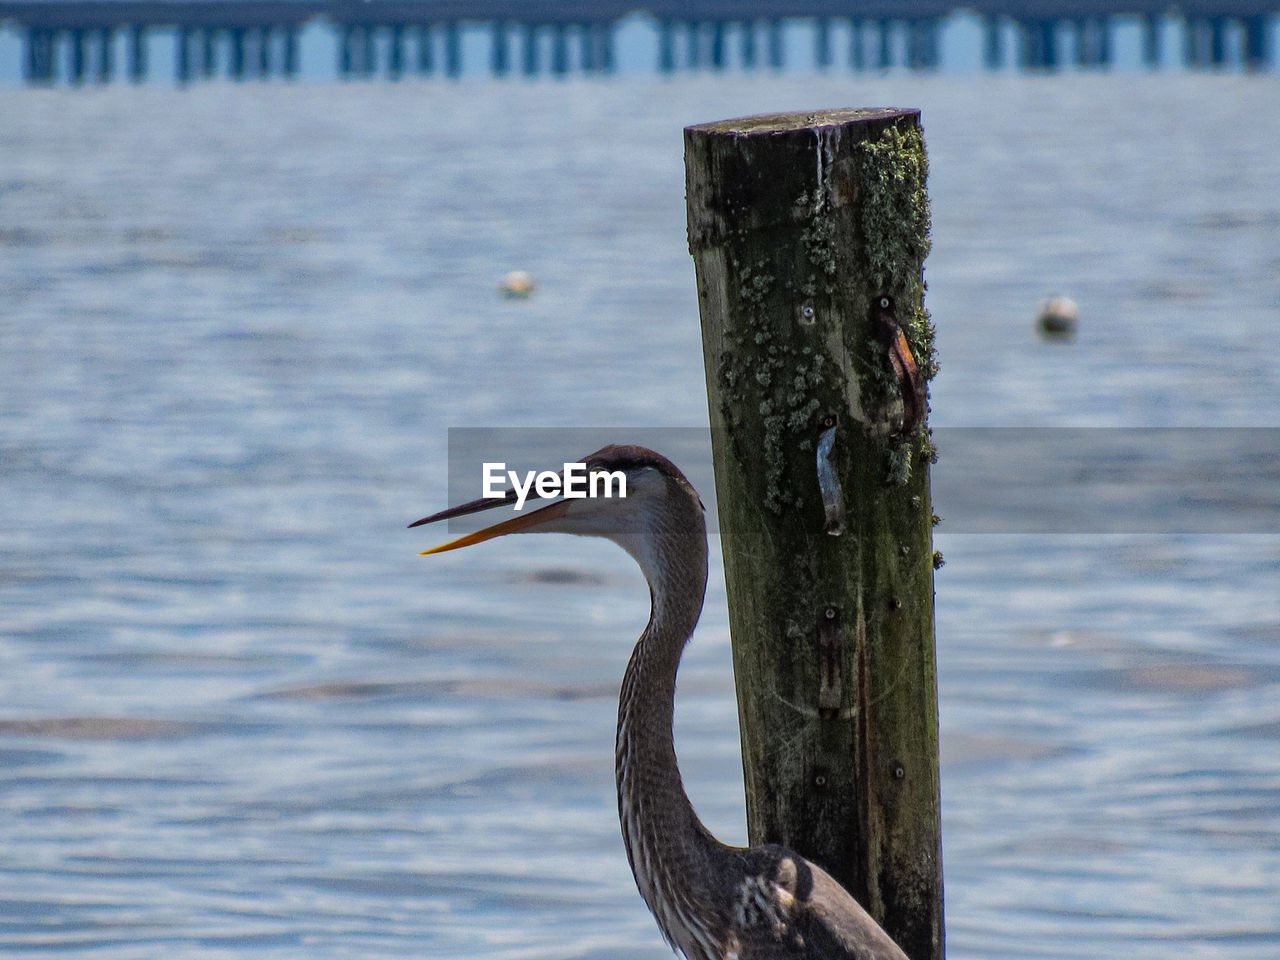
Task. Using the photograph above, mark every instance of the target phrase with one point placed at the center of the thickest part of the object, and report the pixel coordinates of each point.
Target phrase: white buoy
(517, 285)
(1057, 318)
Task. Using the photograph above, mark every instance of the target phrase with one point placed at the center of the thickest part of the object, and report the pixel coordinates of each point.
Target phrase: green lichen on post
(766, 371)
(896, 226)
(769, 373)
(895, 205)
(777, 377)
(819, 241)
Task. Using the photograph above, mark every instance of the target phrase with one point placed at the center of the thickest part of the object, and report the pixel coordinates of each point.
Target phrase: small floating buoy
(517, 285)
(1057, 318)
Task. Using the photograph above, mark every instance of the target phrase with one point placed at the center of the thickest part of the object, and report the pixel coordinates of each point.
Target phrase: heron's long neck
(671, 852)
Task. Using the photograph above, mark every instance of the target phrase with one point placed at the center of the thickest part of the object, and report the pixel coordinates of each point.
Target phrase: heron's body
(711, 901)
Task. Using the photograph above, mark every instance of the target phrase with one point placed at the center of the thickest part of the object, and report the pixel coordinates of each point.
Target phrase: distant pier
(77, 40)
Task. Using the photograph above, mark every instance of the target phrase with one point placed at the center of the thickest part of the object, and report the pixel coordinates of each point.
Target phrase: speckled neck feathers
(672, 855)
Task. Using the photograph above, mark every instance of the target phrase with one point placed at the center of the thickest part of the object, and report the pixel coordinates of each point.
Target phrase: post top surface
(766, 123)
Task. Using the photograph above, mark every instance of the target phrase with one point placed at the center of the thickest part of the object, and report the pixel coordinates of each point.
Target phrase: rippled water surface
(240, 718)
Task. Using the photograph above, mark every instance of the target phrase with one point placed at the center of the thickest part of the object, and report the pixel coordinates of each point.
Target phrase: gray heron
(711, 901)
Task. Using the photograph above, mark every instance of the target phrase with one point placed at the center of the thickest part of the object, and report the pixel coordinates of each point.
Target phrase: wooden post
(106, 40)
(395, 52)
(137, 53)
(183, 43)
(209, 51)
(808, 232)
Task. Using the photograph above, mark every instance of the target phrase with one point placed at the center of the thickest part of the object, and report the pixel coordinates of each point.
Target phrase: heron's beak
(523, 521)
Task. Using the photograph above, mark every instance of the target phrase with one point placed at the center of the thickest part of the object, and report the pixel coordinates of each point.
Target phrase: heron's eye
(884, 303)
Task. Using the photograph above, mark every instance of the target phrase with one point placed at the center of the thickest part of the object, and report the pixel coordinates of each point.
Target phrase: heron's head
(641, 501)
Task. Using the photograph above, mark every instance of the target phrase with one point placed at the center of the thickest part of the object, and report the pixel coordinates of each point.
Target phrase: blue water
(240, 718)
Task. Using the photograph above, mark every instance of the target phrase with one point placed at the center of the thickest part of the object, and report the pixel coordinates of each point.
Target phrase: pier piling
(426, 52)
(559, 49)
(1257, 42)
(106, 41)
(182, 69)
(453, 49)
(236, 66)
(395, 51)
(992, 43)
(529, 49)
(262, 38)
(822, 43)
(208, 52)
(39, 59)
(775, 44)
(1151, 42)
(857, 53)
(499, 62)
(137, 53)
(884, 53)
(290, 52)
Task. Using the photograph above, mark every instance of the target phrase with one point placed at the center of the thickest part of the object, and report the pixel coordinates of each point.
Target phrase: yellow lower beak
(516, 524)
